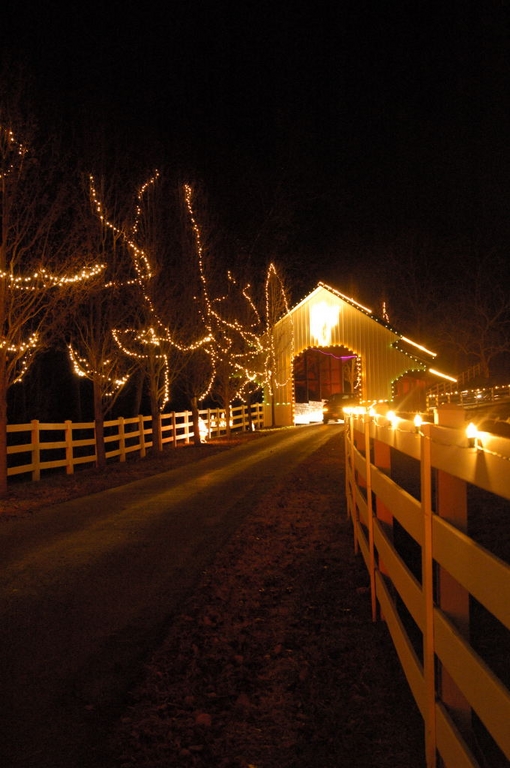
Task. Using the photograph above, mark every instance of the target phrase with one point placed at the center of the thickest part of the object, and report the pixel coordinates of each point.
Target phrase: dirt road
(89, 587)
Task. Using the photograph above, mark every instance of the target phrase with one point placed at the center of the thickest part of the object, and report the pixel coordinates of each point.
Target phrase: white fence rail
(428, 609)
(445, 393)
(37, 447)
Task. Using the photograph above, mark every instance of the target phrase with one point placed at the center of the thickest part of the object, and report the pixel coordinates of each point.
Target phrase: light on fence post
(418, 421)
(472, 435)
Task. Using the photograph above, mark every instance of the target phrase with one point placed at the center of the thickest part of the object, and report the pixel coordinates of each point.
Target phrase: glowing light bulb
(472, 435)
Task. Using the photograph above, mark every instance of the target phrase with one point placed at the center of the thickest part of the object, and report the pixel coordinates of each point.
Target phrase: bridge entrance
(322, 371)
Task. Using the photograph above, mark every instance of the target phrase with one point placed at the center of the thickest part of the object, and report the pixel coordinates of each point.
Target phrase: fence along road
(89, 586)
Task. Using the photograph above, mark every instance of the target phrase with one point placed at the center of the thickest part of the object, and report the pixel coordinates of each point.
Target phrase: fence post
(349, 468)
(174, 430)
(122, 439)
(370, 516)
(141, 430)
(69, 447)
(382, 460)
(357, 442)
(159, 446)
(429, 676)
(36, 451)
(453, 599)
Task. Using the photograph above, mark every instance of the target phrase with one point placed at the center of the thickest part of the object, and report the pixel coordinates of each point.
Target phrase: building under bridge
(330, 343)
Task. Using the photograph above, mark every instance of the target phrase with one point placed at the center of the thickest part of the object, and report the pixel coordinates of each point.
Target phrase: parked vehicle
(332, 410)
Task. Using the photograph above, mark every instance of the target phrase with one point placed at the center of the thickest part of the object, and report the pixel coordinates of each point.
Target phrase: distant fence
(37, 447)
(444, 393)
(438, 589)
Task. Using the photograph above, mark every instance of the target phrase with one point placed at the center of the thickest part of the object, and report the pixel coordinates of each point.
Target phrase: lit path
(88, 587)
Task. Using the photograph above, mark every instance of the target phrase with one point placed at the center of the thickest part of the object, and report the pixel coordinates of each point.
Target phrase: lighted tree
(93, 350)
(163, 336)
(39, 258)
(196, 376)
(231, 322)
(234, 325)
(278, 343)
(130, 335)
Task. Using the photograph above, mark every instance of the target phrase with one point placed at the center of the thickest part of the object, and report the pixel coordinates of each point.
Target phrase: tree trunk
(139, 382)
(195, 417)
(99, 425)
(227, 417)
(250, 415)
(157, 443)
(3, 425)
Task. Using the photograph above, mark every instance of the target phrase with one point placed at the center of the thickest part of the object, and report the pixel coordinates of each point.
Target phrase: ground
(274, 660)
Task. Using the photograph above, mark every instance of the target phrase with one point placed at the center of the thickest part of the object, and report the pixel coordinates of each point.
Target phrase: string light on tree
(282, 308)
(42, 279)
(11, 152)
(232, 322)
(140, 259)
(83, 369)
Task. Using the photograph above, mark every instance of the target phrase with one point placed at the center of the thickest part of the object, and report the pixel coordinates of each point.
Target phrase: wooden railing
(37, 447)
(430, 579)
(449, 392)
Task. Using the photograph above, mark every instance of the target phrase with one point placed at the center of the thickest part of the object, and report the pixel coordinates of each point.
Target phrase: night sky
(362, 124)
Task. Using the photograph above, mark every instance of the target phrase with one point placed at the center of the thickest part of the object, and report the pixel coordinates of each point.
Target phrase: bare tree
(156, 339)
(230, 319)
(92, 346)
(476, 316)
(195, 381)
(132, 330)
(41, 267)
(410, 276)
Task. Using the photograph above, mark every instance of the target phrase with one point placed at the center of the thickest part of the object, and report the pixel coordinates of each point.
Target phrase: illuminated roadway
(89, 586)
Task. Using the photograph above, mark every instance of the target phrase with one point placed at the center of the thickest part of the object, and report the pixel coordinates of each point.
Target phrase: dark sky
(363, 121)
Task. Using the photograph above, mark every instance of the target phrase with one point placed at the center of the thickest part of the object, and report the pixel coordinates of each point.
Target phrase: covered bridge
(330, 343)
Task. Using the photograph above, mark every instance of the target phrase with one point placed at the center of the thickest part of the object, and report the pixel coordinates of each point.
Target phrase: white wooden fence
(464, 704)
(444, 392)
(37, 447)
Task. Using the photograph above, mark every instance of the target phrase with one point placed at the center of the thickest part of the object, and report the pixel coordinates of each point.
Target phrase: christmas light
(230, 342)
(42, 279)
(418, 346)
(140, 258)
(11, 147)
(271, 364)
(83, 369)
(442, 375)
(472, 435)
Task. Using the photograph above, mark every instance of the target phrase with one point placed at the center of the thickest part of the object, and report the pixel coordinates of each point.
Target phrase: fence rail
(427, 602)
(39, 446)
(444, 393)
